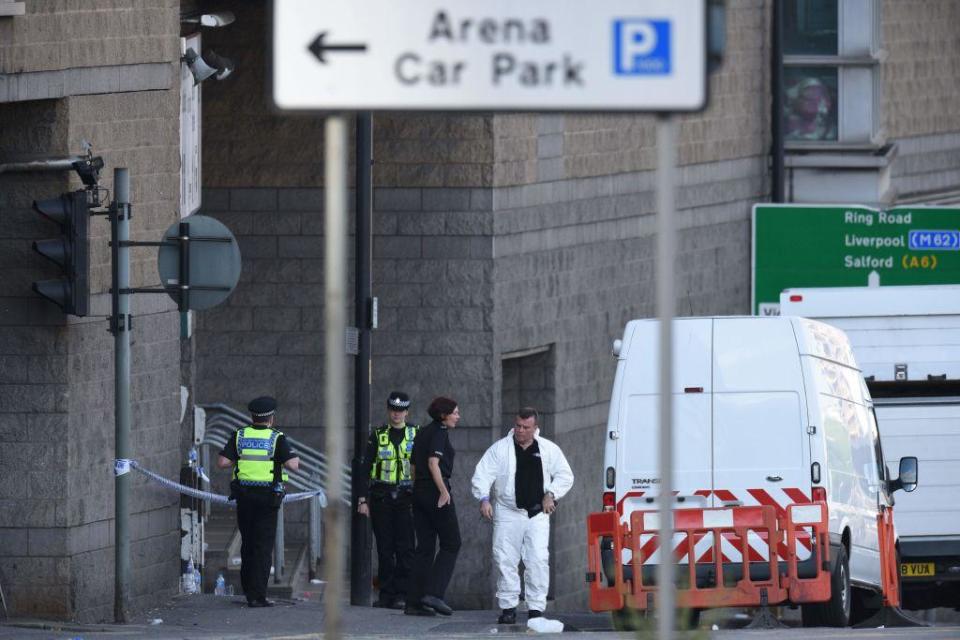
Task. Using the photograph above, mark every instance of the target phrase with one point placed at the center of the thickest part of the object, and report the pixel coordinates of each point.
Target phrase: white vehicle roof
(859, 302)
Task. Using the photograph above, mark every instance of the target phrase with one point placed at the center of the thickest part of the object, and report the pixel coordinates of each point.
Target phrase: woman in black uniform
(434, 516)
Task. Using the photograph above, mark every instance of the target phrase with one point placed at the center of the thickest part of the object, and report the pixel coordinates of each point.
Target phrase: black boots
(509, 616)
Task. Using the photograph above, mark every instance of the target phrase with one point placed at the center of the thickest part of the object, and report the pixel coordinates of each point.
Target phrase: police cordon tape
(122, 466)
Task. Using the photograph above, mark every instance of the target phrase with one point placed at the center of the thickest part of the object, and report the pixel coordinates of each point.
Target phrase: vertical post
(360, 590)
(278, 549)
(335, 300)
(666, 248)
(183, 239)
(120, 298)
(315, 514)
(777, 191)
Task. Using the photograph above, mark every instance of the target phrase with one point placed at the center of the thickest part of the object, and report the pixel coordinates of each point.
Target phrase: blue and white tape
(122, 466)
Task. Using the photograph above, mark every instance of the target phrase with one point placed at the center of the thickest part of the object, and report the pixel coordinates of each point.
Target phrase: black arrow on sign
(318, 48)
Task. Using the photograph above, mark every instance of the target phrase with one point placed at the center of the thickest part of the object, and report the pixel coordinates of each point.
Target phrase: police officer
(388, 500)
(260, 456)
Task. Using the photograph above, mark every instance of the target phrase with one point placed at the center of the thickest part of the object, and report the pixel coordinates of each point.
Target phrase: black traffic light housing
(70, 251)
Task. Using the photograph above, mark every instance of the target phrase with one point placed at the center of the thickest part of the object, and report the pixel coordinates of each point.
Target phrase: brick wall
(530, 148)
(266, 338)
(919, 83)
(63, 34)
(56, 412)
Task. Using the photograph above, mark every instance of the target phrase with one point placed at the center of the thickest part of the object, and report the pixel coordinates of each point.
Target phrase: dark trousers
(392, 520)
(433, 569)
(257, 520)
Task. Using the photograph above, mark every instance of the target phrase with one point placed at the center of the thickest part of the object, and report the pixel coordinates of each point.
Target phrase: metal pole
(183, 239)
(335, 301)
(666, 248)
(278, 549)
(120, 234)
(360, 584)
(315, 514)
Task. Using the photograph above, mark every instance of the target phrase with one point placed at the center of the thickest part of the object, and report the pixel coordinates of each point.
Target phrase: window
(831, 57)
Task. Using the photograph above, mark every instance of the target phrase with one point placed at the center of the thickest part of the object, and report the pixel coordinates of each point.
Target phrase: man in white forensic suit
(530, 474)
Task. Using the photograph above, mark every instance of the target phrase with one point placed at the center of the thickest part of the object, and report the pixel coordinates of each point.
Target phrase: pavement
(208, 616)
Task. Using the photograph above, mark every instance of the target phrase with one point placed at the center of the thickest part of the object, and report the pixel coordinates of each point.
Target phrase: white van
(906, 340)
(772, 415)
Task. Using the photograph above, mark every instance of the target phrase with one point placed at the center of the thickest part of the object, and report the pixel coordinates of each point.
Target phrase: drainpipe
(776, 116)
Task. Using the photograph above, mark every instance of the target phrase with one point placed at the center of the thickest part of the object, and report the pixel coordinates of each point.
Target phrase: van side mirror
(908, 475)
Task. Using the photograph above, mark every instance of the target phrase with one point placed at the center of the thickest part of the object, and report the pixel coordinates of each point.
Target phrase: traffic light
(70, 252)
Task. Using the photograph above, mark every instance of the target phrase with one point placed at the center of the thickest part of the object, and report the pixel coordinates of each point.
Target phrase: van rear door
(637, 456)
(759, 438)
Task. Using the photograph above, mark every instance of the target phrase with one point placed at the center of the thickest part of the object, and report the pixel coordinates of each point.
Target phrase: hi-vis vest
(385, 467)
(256, 448)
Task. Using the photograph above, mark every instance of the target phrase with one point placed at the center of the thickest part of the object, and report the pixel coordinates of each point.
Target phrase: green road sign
(838, 246)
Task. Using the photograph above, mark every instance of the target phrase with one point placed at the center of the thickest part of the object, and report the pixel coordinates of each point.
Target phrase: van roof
(860, 302)
(813, 338)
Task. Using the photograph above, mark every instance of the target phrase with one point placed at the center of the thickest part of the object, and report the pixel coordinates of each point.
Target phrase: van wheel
(836, 611)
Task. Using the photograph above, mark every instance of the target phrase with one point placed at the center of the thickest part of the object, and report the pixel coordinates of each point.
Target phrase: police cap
(262, 407)
(398, 401)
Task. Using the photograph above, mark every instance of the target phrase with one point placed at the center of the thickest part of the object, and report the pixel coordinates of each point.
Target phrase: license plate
(916, 569)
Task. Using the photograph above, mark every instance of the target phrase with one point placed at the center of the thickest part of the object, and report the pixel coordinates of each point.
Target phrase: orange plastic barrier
(800, 525)
(602, 525)
(889, 571)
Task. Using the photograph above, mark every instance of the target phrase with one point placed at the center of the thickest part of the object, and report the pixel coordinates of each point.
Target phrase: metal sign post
(666, 251)
(335, 328)
(120, 325)
(182, 258)
(360, 587)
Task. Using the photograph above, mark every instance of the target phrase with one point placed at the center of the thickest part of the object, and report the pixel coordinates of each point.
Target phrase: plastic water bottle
(189, 579)
(221, 587)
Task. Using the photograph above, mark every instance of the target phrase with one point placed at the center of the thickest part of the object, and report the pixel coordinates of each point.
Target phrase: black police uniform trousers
(433, 569)
(392, 520)
(257, 520)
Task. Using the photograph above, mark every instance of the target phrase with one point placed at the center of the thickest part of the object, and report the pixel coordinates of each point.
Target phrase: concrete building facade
(509, 251)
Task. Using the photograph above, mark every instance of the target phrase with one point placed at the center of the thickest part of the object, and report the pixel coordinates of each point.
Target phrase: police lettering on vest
(392, 462)
(256, 449)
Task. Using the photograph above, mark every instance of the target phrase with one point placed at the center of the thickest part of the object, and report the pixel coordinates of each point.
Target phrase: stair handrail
(314, 470)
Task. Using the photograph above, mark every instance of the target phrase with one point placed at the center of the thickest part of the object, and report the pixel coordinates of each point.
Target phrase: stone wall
(56, 392)
(919, 84)
(64, 34)
(267, 338)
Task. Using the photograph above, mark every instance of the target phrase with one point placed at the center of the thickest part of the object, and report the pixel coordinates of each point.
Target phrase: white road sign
(567, 55)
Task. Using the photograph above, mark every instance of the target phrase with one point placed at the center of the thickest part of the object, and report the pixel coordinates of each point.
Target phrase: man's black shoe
(383, 603)
(509, 616)
(414, 610)
(262, 602)
(398, 603)
(437, 605)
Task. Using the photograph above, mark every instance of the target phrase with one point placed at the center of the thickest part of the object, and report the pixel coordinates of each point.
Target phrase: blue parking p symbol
(641, 47)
